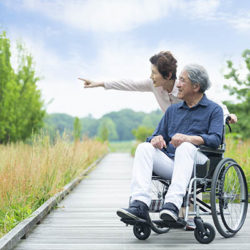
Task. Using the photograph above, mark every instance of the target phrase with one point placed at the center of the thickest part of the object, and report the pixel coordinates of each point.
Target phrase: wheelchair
(221, 180)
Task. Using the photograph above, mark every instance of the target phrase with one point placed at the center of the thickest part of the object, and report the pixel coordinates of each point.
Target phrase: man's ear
(196, 87)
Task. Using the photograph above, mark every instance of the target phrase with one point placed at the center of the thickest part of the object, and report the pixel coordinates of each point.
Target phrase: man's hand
(158, 142)
(178, 139)
(91, 84)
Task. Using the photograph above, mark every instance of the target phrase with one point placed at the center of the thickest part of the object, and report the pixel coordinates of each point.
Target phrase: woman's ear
(169, 76)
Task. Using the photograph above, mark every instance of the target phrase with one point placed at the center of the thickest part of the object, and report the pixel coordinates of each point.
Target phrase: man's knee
(186, 147)
(144, 147)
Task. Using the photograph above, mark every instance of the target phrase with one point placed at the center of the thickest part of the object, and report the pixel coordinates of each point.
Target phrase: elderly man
(172, 149)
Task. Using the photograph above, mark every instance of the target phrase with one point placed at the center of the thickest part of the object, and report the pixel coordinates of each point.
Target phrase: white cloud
(100, 15)
(241, 22)
(120, 15)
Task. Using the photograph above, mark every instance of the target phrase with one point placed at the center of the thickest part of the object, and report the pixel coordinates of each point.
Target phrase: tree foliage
(21, 107)
(241, 90)
(107, 130)
(77, 129)
(119, 125)
(141, 133)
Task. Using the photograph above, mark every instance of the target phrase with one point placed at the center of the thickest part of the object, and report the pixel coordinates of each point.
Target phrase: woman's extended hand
(91, 84)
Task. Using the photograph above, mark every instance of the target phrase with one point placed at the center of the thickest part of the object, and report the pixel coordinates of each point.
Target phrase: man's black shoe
(137, 210)
(169, 212)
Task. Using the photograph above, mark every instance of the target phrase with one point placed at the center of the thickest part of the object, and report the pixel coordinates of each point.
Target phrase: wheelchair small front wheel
(207, 236)
(141, 231)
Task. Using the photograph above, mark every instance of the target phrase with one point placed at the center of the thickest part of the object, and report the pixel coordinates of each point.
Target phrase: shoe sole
(126, 215)
(168, 216)
(189, 228)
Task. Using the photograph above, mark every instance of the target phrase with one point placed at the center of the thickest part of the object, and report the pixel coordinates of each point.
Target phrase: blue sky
(113, 39)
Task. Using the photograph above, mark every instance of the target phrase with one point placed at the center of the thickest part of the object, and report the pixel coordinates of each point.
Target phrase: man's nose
(178, 85)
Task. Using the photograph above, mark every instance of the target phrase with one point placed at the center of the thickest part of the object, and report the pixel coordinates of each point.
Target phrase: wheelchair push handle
(228, 119)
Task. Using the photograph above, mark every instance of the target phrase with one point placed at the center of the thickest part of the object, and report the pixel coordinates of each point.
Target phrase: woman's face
(156, 77)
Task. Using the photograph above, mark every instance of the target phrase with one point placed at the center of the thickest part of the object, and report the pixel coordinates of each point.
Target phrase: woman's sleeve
(130, 85)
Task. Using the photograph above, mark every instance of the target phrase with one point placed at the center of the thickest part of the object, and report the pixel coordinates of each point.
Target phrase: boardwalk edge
(11, 239)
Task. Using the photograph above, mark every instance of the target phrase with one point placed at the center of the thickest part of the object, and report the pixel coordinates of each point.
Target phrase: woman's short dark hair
(165, 63)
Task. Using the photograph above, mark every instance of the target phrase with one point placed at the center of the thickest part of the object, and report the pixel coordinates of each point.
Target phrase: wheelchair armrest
(214, 156)
(207, 150)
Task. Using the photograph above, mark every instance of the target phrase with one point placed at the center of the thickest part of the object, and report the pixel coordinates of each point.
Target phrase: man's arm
(213, 138)
(225, 110)
(178, 139)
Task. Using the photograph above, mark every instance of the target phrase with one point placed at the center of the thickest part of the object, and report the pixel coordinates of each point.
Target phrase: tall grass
(30, 174)
(240, 152)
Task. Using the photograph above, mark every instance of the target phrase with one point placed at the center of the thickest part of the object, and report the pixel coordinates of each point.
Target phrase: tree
(29, 111)
(8, 93)
(77, 129)
(107, 130)
(241, 90)
(141, 133)
(21, 107)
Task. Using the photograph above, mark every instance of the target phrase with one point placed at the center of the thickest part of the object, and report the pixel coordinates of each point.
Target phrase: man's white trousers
(149, 159)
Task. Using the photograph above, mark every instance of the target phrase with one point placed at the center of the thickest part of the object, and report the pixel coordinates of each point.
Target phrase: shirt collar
(202, 102)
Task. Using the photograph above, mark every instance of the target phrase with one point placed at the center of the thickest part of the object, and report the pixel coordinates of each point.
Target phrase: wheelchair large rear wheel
(229, 197)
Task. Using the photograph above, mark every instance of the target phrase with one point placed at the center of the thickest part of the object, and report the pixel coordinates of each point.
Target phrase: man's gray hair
(198, 75)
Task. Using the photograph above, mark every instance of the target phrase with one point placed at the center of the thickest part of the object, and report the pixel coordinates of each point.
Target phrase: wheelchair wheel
(159, 189)
(206, 237)
(141, 231)
(229, 197)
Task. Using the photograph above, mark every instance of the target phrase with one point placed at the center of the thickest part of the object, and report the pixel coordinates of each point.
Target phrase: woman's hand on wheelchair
(233, 118)
(158, 142)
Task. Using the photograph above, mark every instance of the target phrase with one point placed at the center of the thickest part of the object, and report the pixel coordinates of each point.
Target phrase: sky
(106, 40)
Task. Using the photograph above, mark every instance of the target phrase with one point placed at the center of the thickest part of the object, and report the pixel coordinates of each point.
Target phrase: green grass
(240, 151)
(121, 146)
(31, 174)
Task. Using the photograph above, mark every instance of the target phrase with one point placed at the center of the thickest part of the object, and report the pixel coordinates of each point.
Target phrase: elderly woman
(162, 82)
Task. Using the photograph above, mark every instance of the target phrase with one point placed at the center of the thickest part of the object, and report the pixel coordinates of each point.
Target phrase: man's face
(156, 77)
(186, 89)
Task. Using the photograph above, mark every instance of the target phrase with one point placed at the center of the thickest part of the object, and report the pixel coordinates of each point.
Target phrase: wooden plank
(86, 219)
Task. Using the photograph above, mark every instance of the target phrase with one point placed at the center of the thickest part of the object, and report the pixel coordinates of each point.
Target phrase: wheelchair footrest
(180, 223)
(133, 222)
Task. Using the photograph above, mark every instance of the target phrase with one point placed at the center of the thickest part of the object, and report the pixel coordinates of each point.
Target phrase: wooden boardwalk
(86, 218)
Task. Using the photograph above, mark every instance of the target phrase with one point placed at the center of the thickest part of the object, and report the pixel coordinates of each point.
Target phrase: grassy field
(30, 175)
(121, 146)
(240, 152)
